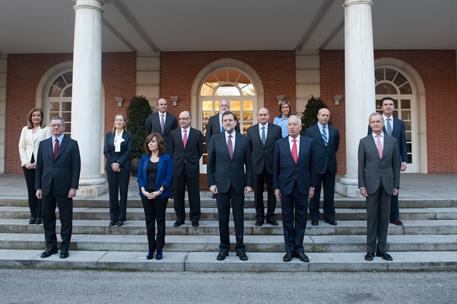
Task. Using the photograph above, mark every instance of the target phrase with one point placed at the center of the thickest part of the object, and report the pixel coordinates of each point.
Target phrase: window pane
(66, 106)
(410, 158)
(400, 79)
(54, 91)
(60, 82)
(227, 90)
(385, 89)
(390, 74)
(67, 92)
(406, 115)
(379, 74)
(405, 104)
(207, 105)
(54, 106)
(378, 105)
(247, 89)
(206, 90)
(408, 135)
(66, 117)
(68, 77)
(67, 127)
(235, 105)
(406, 89)
(248, 105)
(408, 125)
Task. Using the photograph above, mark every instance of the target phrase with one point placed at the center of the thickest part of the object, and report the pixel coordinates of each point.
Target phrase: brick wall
(276, 70)
(437, 70)
(26, 70)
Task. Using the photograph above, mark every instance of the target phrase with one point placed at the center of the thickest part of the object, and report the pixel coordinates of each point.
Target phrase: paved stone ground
(48, 286)
(413, 186)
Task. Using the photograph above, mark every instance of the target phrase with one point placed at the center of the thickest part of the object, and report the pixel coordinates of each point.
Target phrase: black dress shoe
(48, 252)
(369, 256)
(242, 255)
(64, 254)
(195, 224)
(384, 256)
(331, 222)
(150, 255)
(302, 257)
(32, 220)
(38, 221)
(314, 222)
(112, 223)
(259, 222)
(272, 222)
(177, 224)
(288, 257)
(221, 256)
(120, 223)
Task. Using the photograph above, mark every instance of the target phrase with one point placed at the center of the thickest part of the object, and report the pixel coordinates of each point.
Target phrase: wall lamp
(337, 99)
(174, 100)
(119, 101)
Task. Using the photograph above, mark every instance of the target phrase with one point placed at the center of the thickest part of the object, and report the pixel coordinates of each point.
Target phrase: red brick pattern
(24, 74)
(437, 69)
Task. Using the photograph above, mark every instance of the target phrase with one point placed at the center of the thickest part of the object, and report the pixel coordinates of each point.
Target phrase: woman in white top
(31, 135)
(118, 145)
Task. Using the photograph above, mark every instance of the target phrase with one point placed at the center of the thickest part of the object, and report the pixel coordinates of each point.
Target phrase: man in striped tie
(379, 179)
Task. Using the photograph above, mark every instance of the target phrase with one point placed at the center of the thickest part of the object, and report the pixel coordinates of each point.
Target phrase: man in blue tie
(394, 127)
(327, 141)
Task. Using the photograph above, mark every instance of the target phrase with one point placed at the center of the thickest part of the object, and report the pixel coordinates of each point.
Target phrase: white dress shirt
(118, 140)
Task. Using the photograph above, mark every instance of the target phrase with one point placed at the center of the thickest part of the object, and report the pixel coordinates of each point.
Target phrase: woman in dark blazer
(118, 145)
(155, 178)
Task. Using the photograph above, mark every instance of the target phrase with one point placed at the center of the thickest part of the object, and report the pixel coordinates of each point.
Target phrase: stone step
(206, 261)
(7, 212)
(137, 227)
(209, 243)
(134, 202)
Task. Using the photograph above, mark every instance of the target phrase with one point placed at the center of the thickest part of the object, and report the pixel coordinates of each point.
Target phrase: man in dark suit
(396, 128)
(326, 140)
(228, 156)
(379, 179)
(162, 122)
(294, 182)
(57, 177)
(263, 136)
(187, 148)
(215, 125)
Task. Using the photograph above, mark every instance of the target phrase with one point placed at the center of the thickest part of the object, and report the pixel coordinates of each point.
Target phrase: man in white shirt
(162, 122)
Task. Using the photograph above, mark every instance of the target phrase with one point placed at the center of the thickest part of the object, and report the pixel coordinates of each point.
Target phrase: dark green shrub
(137, 113)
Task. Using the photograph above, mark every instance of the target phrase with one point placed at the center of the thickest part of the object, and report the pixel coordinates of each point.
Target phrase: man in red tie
(186, 146)
(294, 182)
(379, 179)
(230, 178)
(57, 177)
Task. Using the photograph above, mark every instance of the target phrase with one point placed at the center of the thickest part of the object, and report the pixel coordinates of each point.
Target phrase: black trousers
(378, 213)
(65, 206)
(154, 211)
(193, 189)
(328, 183)
(224, 201)
(34, 202)
(118, 182)
(294, 218)
(259, 183)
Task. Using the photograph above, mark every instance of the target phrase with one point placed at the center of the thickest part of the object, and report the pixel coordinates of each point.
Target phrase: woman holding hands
(118, 145)
(31, 135)
(155, 178)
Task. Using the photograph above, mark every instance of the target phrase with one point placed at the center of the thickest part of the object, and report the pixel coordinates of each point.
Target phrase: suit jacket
(374, 171)
(262, 155)
(29, 143)
(214, 127)
(326, 154)
(286, 172)
(399, 133)
(153, 125)
(63, 172)
(164, 176)
(123, 157)
(186, 158)
(225, 172)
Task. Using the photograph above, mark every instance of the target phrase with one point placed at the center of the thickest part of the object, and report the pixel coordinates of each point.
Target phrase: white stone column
(359, 84)
(86, 100)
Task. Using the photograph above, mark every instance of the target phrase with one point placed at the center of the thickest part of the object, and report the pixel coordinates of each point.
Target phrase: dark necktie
(162, 122)
(263, 137)
(56, 148)
(230, 146)
(324, 135)
(389, 126)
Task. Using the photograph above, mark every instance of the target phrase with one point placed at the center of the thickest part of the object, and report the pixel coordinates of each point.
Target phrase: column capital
(347, 3)
(91, 4)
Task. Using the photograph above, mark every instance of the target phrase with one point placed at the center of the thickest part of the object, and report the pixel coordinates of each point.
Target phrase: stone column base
(348, 187)
(92, 190)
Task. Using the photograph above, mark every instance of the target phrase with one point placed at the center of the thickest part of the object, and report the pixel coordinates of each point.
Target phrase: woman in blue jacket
(155, 176)
(118, 145)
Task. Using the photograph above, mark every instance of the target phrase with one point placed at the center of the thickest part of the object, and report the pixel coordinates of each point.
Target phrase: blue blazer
(286, 172)
(164, 175)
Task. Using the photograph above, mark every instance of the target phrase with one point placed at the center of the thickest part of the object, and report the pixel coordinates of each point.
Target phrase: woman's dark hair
(160, 142)
(29, 118)
(282, 103)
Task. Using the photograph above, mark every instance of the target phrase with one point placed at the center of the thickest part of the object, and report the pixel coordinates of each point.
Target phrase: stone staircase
(428, 241)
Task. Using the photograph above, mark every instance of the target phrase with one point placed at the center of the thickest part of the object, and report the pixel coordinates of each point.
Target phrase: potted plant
(137, 114)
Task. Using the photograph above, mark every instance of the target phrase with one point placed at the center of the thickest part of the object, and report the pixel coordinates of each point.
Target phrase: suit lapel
(372, 144)
(62, 147)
